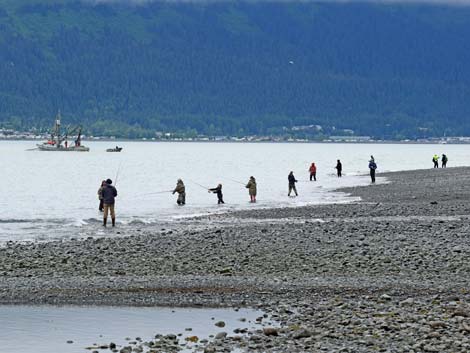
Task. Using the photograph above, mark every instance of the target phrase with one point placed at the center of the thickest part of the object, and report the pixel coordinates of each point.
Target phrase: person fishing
(372, 168)
(218, 190)
(251, 186)
(109, 193)
(100, 196)
(313, 172)
(444, 160)
(181, 190)
(339, 169)
(292, 182)
(435, 160)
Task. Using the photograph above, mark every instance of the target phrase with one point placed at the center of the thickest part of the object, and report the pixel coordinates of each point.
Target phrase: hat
(109, 181)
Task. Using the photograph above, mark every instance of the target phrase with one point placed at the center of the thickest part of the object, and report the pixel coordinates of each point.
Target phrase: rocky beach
(389, 273)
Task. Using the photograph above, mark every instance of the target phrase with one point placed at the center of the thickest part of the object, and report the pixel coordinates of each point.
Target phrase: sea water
(48, 195)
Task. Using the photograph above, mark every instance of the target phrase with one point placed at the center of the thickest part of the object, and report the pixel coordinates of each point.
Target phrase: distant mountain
(236, 68)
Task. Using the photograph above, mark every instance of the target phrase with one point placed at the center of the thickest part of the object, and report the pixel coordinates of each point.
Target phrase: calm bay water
(49, 194)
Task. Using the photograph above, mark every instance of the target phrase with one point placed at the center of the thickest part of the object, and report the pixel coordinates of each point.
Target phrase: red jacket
(313, 168)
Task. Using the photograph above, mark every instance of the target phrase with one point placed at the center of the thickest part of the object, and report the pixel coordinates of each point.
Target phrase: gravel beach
(390, 273)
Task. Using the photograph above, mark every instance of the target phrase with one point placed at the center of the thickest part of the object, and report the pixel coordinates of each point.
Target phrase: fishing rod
(200, 185)
(236, 181)
(152, 193)
(117, 174)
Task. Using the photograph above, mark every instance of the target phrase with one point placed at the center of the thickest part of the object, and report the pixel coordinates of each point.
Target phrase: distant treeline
(389, 71)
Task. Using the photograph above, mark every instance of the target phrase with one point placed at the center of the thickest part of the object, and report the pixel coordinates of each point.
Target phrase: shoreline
(389, 272)
(372, 142)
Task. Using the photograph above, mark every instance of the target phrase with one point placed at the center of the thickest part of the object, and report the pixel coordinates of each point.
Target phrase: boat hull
(51, 148)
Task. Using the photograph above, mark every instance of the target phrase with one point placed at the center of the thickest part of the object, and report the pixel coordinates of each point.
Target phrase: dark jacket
(108, 193)
(292, 179)
(339, 166)
(218, 191)
(372, 165)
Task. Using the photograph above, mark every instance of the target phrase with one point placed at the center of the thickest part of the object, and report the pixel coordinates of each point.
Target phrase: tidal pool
(70, 329)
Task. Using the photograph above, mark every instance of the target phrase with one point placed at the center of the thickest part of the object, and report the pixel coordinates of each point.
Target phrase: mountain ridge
(391, 71)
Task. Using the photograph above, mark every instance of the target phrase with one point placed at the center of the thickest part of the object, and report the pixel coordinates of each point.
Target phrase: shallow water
(51, 195)
(47, 329)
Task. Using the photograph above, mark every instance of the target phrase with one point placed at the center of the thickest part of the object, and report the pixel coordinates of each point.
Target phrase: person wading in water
(181, 190)
(218, 191)
(292, 182)
(313, 172)
(372, 168)
(339, 168)
(109, 193)
(252, 189)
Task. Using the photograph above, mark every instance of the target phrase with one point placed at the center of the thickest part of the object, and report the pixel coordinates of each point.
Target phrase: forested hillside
(236, 68)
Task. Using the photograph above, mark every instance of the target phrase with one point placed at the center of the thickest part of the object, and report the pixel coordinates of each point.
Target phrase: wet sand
(389, 273)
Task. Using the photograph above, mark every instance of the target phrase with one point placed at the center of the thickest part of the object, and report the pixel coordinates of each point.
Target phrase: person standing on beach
(218, 191)
(100, 196)
(292, 182)
(181, 190)
(313, 172)
(339, 168)
(252, 189)
(435, 160)
(109, 193)
(372, 168)
(444, 160)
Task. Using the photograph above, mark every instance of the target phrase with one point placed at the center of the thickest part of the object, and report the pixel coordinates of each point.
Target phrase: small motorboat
(115, 149)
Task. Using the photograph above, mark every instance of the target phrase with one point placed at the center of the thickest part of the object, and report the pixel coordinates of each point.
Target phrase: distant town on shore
(10, 134)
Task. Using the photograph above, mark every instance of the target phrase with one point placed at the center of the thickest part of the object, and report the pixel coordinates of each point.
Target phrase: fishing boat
(59, 141)
(115, 149)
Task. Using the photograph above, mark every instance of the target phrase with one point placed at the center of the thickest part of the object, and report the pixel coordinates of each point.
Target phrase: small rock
(385, 297)
(302, 334)
(221, 335)
(460, 312)
(409, 301)
(437, 324)
(270, 331)
(220, 324)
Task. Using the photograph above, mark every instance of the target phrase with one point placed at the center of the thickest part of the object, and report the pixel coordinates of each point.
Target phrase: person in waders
(218, 190)
(435, 160)
(292, 181)
(181, 190)
(100, 196)
(313, 172)
(339, 169)
(372, 168)
(109, 193)
(252, 189)
(444, 160)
